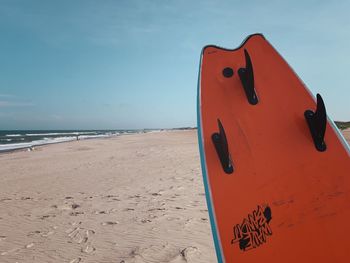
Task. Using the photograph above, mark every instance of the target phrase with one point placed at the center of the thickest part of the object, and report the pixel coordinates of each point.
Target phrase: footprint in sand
(76, 260)
(9, 251)
(76, 213)
(79, 235)
(101, 212)
(145, 220)
(110, 223)
(5, 199)
(64, 207)
(88, 248)
(190, 253)
(30, 245)
(41, 233)
(75, 206)
(49, 233)
(157, 194)
(26, 198)
(67, 206)
(131, 197)
(47, 216)
(74, 224)
(162, 253)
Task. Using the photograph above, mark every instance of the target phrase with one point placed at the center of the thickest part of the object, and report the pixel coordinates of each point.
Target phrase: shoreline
(31, 145)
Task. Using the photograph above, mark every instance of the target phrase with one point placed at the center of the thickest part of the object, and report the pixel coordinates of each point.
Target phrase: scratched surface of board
(285, 201)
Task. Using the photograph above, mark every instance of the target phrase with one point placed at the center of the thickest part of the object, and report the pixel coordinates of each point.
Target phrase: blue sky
(134, 64)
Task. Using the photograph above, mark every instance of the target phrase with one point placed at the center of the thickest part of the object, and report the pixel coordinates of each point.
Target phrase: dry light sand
(133, 198)
(346, 134)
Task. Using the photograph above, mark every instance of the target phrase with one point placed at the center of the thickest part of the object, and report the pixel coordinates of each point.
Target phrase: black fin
(221, 146)
(317, 124)
(247, 78)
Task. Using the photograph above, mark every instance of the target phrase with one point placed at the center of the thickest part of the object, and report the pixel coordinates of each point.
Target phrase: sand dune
(134, 198)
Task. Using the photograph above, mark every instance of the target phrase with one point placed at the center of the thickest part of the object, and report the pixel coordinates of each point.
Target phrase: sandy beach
(132, 198)
(346, 134)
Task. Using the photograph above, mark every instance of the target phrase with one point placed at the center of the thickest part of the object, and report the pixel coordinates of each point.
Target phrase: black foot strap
(221, 146)
(317, 124)
(247, 78)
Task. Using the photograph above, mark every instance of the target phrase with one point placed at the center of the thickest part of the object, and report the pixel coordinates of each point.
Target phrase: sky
(81, 64)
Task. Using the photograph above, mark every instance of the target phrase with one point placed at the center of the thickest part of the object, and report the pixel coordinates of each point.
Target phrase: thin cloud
(5, 104)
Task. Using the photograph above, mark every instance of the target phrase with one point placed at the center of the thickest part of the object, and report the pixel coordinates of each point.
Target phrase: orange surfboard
(275, 168)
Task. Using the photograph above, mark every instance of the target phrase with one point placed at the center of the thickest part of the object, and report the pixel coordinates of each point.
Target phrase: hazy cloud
(4, 103)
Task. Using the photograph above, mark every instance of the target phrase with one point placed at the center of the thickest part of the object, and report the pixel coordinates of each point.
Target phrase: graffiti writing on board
(254, 229)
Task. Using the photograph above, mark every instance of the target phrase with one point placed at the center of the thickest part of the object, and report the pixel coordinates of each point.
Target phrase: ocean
(22, 139)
